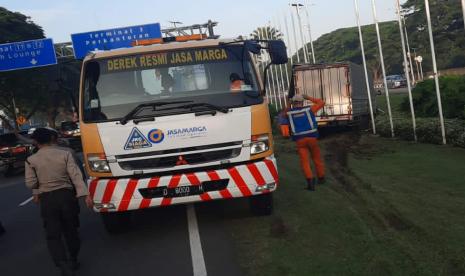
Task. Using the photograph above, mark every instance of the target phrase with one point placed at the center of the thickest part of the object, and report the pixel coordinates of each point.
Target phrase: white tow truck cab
(177, 122)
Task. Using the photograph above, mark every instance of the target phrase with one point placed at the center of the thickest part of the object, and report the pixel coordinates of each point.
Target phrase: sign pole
(381, 57)
(435, 68)
(15, 111)
(357, 14)
(409, 87)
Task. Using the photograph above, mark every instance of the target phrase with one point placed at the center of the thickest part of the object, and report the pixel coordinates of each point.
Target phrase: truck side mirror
(252, 46)
(277, 51)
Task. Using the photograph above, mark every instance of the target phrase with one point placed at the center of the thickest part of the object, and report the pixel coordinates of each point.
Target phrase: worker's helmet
(297, 98)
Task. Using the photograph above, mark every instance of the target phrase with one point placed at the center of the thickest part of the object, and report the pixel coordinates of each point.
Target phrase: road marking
(198, 262)
(25, 202)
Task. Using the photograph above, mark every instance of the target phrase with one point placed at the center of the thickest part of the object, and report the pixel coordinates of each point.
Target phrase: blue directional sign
(27, 54)
(109, 39)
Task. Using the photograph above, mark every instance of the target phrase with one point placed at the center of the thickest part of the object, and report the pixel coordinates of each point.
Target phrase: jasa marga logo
(187, 132)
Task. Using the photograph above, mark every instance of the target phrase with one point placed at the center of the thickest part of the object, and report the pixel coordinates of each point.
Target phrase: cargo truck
(177, 121)
(343, 88)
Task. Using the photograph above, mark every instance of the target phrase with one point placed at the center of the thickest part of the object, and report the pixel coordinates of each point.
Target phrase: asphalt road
(159, 243)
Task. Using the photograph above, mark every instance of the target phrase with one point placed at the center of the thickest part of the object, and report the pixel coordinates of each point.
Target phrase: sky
(60, 18)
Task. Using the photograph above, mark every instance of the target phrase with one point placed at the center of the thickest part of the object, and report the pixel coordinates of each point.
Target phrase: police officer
(57, 184)
(304, 131)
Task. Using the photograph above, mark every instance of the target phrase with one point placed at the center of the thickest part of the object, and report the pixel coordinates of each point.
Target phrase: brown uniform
(53, 174)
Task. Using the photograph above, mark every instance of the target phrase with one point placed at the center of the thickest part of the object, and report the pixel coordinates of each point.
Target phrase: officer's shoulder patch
(136, 140)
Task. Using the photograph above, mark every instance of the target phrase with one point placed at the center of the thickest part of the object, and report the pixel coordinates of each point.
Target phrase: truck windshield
(222, 76)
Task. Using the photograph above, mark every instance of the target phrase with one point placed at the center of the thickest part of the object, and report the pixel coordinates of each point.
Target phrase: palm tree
(266, 32)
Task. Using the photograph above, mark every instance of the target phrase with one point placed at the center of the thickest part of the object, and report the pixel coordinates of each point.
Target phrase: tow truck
(176, 121)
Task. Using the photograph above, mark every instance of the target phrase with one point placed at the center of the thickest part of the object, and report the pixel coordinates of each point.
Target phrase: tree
(15, 26)
(266, 32)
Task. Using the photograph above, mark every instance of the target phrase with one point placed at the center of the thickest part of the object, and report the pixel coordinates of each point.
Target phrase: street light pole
(381, 57)
(307, 13)
(420, 60)
(273, 68)
(278, 28)
(295, 37)
(435, 70)
(408, 50)
(302, 38)
(409, 87)
(261, 36)
(288, 39)
(357, 14)
(463, 11)
(416, 63)
(275, 92)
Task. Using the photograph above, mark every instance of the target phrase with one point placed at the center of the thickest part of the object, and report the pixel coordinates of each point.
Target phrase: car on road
(396, 81)
(71, 132)
(13, 152)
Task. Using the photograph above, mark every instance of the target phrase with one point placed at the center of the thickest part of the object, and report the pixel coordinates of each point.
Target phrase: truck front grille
(181, 159)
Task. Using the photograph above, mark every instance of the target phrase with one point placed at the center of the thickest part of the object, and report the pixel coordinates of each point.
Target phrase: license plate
(182, 191)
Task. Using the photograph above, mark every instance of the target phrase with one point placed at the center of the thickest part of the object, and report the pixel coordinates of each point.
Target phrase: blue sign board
(27, 54)
(112, 38)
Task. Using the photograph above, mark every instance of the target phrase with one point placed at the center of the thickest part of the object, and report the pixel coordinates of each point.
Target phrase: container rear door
(336, 89)
(330, 84)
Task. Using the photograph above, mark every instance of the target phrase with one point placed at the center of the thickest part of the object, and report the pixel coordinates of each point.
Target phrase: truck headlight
(98, 163)
(259, 144)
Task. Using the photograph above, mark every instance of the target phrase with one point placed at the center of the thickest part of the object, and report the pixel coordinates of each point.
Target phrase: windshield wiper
(154, 105)
(193, 105)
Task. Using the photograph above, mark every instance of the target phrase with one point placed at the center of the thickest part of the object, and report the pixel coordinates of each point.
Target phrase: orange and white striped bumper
(124, 194)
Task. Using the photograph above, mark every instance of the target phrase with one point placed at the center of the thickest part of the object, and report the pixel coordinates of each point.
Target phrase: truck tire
(116, 222)
(262, 205)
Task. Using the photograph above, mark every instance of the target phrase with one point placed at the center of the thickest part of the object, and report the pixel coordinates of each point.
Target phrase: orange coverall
(309, 146)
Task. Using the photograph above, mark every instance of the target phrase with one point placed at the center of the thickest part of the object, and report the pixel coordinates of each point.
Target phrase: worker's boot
(321, 180)
(310, 184)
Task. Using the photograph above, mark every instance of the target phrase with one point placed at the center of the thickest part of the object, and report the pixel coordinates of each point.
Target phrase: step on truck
(343, 88)
(166, 123)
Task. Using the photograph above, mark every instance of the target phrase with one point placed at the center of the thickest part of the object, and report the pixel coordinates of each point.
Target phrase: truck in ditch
(175, 122)
(343, 88)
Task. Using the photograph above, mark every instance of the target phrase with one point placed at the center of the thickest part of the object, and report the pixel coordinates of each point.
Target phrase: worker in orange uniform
(304, 131)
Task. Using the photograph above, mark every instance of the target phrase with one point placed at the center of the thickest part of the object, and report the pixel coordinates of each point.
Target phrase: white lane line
(25, 202)
(198, 262)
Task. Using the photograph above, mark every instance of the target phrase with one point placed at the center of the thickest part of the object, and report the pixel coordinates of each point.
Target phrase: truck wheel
(117, 222)
(262, 205)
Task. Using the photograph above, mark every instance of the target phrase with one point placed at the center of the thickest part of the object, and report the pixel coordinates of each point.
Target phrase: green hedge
(452, 95)
(428, 130)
